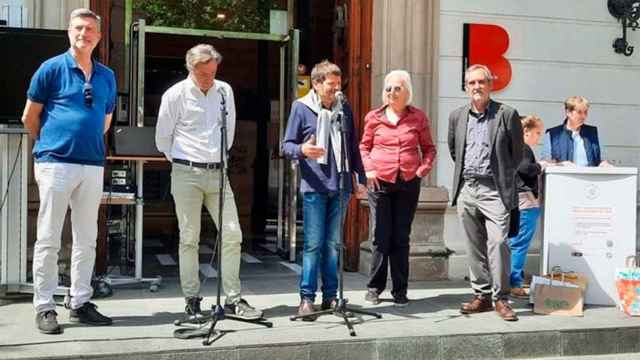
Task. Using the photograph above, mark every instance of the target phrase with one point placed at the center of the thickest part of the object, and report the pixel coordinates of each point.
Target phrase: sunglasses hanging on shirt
(87, 91)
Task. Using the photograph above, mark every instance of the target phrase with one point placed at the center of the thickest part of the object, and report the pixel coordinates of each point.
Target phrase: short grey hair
(86, 13)
(487, 73)
(404, 76)
(201, 53)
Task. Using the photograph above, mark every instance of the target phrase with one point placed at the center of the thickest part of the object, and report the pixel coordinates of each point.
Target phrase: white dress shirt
(189, 121)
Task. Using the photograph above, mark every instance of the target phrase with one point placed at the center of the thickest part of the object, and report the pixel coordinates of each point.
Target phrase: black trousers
(392, 208)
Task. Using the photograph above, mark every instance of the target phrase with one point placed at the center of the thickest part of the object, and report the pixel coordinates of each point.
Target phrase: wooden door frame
(103, 9)
(355, 61)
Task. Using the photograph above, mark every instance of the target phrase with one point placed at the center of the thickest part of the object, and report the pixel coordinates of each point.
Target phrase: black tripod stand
(217, 312)
(341, 308)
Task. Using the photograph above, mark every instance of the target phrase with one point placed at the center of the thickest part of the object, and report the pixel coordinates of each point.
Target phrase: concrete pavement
(429, 328)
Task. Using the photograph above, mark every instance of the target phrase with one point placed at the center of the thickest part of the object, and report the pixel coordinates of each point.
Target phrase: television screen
(23, 50)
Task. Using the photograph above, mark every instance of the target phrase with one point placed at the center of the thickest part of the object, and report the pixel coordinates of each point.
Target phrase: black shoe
(372, 296)
(243, 309)
(47, 322)
(87, 314)
(192, 309)
(400, 300)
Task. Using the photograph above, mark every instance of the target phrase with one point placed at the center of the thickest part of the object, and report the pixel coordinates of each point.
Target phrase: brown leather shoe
(505, 311)
(477, 305)
(519, 293)
(306, 307)
(329, 304)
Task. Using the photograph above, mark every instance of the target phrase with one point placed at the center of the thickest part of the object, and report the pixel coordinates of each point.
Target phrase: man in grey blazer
(485, 142)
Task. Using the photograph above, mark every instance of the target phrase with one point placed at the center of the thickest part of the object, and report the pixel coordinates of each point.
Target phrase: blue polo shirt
(71, 131)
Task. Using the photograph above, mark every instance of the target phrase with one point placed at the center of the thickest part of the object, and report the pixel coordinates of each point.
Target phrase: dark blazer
(505, 136)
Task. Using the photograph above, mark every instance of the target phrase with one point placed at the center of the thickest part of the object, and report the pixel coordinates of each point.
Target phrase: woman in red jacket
(397, 152)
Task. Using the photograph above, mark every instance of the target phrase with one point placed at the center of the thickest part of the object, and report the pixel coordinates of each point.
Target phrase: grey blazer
(505, 134)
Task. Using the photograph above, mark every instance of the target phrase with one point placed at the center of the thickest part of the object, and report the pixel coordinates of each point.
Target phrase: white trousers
(62, 185)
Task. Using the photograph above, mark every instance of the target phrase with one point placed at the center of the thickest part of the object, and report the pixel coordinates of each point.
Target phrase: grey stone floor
(429, 328)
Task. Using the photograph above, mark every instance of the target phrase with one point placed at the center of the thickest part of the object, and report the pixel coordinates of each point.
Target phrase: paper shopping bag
(576, 278)
(558, 298)
(558, 275)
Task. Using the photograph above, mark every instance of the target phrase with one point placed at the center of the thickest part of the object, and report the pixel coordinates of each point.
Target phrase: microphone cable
(10, 178)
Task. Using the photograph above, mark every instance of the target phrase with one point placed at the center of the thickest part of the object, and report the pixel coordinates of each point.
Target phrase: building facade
(555, 51)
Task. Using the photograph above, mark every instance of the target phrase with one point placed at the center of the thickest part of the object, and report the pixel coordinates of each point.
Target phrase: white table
(589, 224)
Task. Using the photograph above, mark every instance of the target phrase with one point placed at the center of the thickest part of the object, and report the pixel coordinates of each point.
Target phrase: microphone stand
(217, 311)
(341, 309)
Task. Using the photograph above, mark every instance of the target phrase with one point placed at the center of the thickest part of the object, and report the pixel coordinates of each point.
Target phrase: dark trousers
(392, 208)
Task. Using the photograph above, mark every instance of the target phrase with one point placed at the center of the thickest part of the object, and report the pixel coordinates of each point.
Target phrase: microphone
(223, 100)
(222, 92)
(340, 97)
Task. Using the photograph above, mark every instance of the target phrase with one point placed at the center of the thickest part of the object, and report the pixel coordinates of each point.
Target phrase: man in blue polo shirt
(70, 102)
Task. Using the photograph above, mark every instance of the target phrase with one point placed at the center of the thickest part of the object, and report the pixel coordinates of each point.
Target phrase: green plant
(227, 15)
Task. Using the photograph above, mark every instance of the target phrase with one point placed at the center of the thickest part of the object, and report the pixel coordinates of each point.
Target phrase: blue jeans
(520, 244)
(321, 241)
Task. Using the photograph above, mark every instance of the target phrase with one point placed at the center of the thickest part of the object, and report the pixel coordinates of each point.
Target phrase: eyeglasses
(394, 88)
(87, 91)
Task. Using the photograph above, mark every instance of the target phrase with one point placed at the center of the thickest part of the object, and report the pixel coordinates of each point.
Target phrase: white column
(405, 36)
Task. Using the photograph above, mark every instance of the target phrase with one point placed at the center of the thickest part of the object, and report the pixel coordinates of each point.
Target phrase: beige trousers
(192, 187)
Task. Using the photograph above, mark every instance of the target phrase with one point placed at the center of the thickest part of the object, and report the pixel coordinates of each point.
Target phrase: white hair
(404, 76)
(201, 53)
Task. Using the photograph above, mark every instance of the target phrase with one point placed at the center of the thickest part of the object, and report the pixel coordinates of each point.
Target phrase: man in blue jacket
(573, 142)
(313, 138)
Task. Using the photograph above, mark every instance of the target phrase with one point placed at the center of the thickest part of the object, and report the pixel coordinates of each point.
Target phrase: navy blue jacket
(317, 177)
(562, 143)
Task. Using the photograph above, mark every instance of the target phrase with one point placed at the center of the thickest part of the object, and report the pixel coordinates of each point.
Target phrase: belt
(209, 166)
(473, 177)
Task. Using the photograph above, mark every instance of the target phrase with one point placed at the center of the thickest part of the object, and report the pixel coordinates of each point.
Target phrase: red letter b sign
(486, 44)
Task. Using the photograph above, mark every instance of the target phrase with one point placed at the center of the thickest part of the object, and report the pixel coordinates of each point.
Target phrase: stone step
(583, 344)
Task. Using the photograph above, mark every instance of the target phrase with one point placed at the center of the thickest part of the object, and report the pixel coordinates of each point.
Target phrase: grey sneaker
(47, 322)
(87, 314)
(243, 309)
(372, 296)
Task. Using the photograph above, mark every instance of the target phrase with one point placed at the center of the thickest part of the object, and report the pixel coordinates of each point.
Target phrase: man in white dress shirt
(188, 133)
